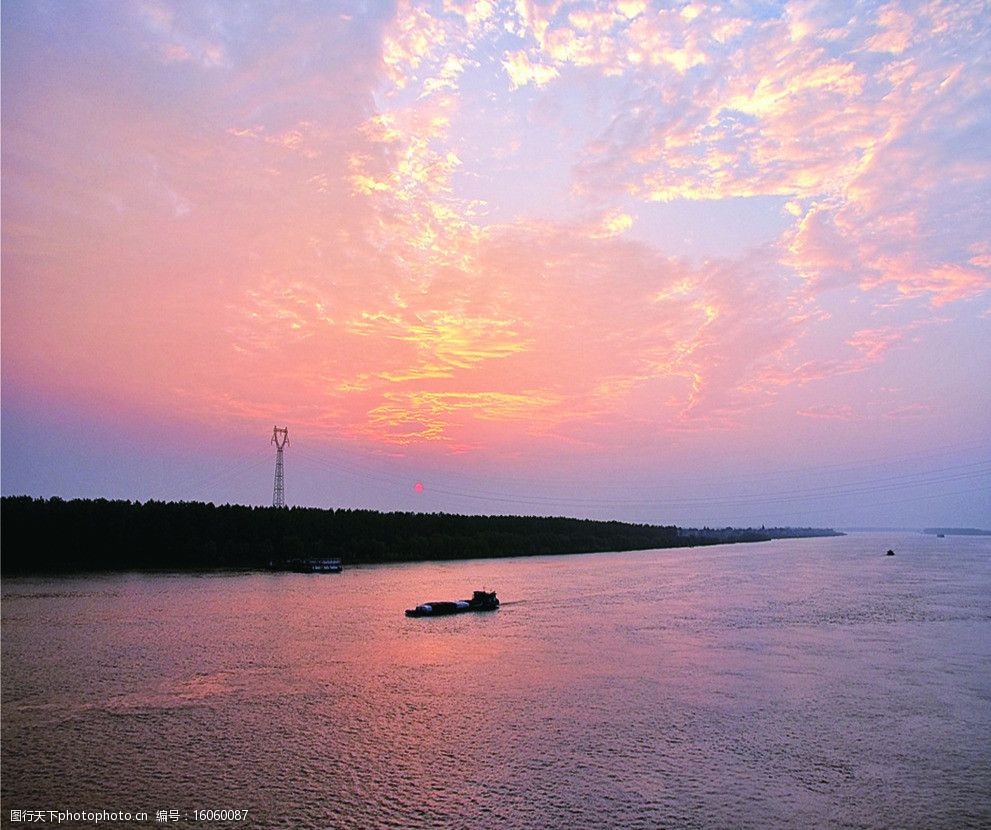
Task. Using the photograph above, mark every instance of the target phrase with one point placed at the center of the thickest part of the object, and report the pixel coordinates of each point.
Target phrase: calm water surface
(806, 683)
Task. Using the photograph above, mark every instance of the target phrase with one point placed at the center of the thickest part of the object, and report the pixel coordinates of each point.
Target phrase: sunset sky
(677, 263)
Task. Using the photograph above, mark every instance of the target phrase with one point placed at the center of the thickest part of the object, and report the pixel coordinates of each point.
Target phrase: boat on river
(480, 601)
(332, 565)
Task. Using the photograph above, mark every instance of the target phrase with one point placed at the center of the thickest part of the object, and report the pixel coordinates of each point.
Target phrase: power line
(239, 467)
(928, 478)
(365, 471)
(787, 517)
(825, 491)
(704, 502)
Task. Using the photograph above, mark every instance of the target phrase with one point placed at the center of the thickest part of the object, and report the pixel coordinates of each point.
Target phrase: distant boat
(480, 601)
(308, 566)
(890, 552)
(940, 535)
(321, 566)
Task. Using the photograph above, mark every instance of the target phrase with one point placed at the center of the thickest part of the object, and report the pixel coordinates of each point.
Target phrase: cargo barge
(480, 601)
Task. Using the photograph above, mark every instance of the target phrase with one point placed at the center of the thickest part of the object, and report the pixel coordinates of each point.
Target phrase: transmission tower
(280, 437)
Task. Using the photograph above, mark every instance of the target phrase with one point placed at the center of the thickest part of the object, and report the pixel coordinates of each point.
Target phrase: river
(794, 683)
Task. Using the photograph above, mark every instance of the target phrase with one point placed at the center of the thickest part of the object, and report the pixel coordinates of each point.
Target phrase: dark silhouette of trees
(52, 535)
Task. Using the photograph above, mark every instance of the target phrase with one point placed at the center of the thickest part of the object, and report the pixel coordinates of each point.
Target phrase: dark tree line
(52, 535)
(45, 535)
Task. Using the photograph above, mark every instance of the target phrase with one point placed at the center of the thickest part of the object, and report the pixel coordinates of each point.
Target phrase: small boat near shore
(331, 565)
(480, 601)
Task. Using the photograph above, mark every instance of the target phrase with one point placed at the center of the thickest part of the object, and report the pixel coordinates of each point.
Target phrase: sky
(701, 264)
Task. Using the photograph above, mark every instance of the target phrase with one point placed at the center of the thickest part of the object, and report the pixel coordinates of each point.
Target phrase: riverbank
(54, 535)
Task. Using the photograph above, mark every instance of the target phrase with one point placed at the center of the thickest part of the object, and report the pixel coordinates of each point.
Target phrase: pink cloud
(910, 412)
(942, 284)
(523, 71)
(820, 252)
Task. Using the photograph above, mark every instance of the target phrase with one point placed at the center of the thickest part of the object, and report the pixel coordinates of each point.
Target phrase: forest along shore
(53, 535)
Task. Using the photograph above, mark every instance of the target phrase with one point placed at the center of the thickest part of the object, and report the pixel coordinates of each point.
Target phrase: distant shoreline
(955, 531)
(927, 531)
(44, 536)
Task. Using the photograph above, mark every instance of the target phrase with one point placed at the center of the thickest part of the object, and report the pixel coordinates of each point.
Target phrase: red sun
(418, 487)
